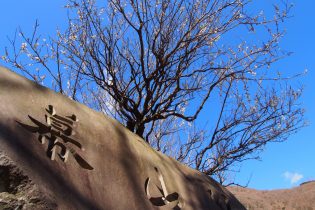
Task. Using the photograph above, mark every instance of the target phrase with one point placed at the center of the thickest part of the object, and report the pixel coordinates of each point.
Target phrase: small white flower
(4, 58)
(17, 65)
(36, 45)
(23, 46)
(253, 109)
(73, 37)
(253, 73)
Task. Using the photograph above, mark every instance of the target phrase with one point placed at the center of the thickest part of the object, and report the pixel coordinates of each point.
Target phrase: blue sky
(287, 164)
(282, 165)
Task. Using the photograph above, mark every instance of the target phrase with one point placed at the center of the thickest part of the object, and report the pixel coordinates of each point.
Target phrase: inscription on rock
(169, 200)
(58, 133)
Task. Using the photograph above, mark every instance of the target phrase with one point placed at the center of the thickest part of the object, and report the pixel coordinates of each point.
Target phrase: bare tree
(158, 66)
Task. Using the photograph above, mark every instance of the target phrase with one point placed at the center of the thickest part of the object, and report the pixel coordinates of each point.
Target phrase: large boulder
(58, 154)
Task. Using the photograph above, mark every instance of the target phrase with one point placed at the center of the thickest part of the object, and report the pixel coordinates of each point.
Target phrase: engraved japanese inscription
(170, 200)
(58, 133)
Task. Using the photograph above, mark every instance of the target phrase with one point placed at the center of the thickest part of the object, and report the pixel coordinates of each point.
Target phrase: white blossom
(23, 46)
(4, 58)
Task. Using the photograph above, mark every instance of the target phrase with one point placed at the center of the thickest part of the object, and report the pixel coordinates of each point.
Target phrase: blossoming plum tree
(192, 77)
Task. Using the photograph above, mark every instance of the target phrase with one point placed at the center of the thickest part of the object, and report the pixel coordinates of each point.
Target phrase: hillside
(301, 197)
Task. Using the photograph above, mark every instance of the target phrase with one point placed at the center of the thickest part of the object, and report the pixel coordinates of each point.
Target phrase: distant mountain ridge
(307, 182)
(301, 197)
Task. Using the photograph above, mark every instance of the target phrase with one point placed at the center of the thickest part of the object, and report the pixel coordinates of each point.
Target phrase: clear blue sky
(283, 165)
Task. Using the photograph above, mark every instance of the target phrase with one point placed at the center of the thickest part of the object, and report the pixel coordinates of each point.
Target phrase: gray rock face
(59, 154)
(17, 191)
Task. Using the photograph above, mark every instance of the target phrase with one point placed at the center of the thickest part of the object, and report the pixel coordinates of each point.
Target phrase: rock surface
(17, 191)
(59, 154)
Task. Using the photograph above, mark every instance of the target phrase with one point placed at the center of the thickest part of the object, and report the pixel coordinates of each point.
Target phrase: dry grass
(298, 198)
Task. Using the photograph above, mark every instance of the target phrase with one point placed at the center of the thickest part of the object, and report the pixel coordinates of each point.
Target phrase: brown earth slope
(301, 197)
